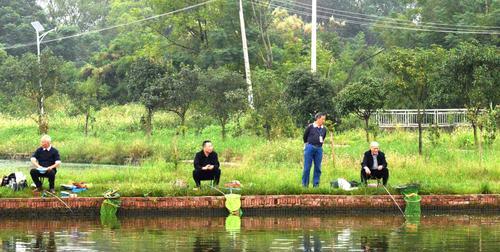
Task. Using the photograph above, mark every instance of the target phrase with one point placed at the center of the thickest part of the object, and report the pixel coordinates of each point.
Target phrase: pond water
(271, 233)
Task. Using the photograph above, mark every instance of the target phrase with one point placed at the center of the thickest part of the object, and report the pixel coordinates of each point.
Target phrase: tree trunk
(262, 25)
(333, 147)
(43, 126)
(149, 120)
(267, 128)
(86, 127)
(223, 125)
(367, 119)
(474, 129)
(480, 146)
(182, 115)
(419, 121)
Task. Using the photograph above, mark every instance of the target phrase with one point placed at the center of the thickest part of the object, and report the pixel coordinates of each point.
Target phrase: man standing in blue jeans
(314, 136)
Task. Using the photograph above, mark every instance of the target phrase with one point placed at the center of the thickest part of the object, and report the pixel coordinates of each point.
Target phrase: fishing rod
(217, 189)
(64, 203)
(393, 199)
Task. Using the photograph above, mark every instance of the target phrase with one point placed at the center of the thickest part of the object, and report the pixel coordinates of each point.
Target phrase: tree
(270, 117)
(85, 14)
(472, 74)
(415, 72)
(88, 97)
(362, 98)
(15, 19)
(39, 81)
(307, 94)
(181, 91)
(143, 86)
(223, 94)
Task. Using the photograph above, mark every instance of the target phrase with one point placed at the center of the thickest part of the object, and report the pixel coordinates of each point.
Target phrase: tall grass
(450, 164)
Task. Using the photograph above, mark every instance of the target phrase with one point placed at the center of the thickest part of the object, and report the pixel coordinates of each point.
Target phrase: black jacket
(368, 160)
(46, 158)
(312, 134)
(200, 160)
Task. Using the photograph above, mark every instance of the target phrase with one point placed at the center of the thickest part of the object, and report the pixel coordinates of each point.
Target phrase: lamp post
(39, 37)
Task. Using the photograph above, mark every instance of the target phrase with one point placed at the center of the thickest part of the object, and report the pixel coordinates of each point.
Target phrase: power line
(379, 19)
(349, 17)
(387, 26)
(348, 20)
(112, 27)
(376, 17)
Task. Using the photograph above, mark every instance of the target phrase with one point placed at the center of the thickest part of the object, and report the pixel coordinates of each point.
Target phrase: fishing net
(108, 217)
(109, 208)
(412, 208)
(233, 202)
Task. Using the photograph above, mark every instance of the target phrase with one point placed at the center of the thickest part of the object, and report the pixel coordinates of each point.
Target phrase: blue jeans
(312, 153)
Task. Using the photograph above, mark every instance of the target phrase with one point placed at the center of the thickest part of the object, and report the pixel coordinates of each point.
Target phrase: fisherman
(206, 165)
(46, 160)
(374, 165)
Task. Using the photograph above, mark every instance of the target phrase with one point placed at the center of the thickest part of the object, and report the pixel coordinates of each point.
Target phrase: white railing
(407, 118)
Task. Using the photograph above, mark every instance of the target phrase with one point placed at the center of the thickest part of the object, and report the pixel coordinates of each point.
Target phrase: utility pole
(313, 37)
(245, 56)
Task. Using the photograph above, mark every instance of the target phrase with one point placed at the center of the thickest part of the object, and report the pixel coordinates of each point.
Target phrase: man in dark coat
(374, 165)
(206, 165)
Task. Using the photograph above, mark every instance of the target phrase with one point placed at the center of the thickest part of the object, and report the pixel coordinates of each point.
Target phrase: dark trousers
(376, 174)
(36, 175)
(199, 175)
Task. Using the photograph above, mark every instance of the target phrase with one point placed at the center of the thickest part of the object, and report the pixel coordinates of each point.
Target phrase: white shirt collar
(316, 126)
(48, 149)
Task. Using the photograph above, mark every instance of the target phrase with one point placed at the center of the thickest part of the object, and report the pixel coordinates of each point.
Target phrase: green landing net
(233, 202)
(412, 208)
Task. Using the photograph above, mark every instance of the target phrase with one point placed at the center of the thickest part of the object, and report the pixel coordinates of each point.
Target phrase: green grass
(450, 166)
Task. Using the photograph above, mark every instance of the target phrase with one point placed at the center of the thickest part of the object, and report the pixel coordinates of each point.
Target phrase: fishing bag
(16, 181)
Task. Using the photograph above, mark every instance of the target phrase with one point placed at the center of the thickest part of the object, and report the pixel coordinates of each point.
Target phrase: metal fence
(407, 118)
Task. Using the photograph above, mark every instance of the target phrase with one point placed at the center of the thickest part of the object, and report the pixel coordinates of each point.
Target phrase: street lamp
(39, 28)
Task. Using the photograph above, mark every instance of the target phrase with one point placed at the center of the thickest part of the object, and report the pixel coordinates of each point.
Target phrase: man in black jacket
(374, 165)
(46, 160)
(206, 165)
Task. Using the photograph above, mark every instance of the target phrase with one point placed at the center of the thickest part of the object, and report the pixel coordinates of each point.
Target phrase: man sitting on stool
(46, 160)
(374, 165)
(206, 165)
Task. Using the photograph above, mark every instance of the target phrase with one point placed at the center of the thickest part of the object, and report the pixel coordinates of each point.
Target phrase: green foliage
(434, 135)
(15, 28)
(415, 76)
(307, 94)
(472, 70)
(487, 122)
(144, 86)
(181, 90)
(271, 117)
(223, 95)
(362, 98)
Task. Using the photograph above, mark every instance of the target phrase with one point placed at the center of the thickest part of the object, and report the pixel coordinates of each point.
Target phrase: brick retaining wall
(180, 205)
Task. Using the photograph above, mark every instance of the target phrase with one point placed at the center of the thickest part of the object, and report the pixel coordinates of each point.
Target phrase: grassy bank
(449, 164)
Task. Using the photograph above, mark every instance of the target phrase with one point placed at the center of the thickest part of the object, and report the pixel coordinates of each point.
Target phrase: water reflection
(312, 241)
(45, 242)
(290, 233)
(374, 242)
(206, 243)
